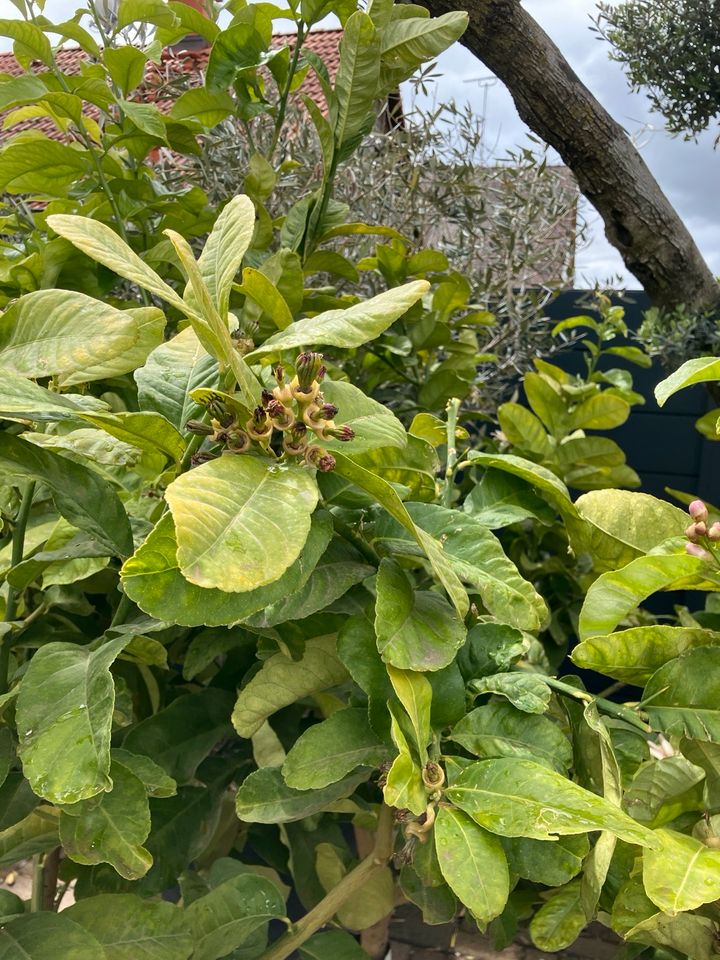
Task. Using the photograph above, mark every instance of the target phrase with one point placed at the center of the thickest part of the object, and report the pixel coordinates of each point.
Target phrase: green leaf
(11, 904)
(500, 499)
(404, 787)
(264, 797)
(546, 401)
(683, 696)
(156, 782)
(41, 166)
(347, 328)
(540, 479)
(111, 829)
(351, 114)
(416, 630)
(182, 734)
(225, 248)
(80, 495)
(238, 47)
(30, 43)
(171, 372)
(616, 594)
(35, 833)
(329, 750)
(633, 655)
(240, 521)
(687, 934)
(525, 691)
(129, 927)
(374, 424)
(412, 469)
(48, 936)
(542, 861)
(332, 945)
(701, 370)
(663, 789)
(102, 244)
(604, 411)
(336, 572)
(226, 918)
(70, 336)
(145, 117)
(706, 755)
(681, 873)
(411, 41)
(476, 556)
(432, 549)
(620, 525)
(473, 863)
(437, 904)
(516, 798)
(560, 920)
(144, 11)
(500, 730)
(152, 579)
(202, 105)
(146, 430)
(64, 717)
(374, 899)
(415, 693)
(282, 681)
(266, 295)
(126, 66)
(21, 398)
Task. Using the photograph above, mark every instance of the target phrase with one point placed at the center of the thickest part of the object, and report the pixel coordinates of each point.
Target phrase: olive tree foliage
(670, 49)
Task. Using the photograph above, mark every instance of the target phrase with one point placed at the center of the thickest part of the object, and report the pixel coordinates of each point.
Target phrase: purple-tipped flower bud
(695, 550)
(307, 367)
(295, 440)
(279, 374)
(315, 414)
(343, 433)
(282, 416)
(199, 428)
(698, 510)
(319, 458)
(259, 425)
(714, 532)
(320, 375)
(267, 397)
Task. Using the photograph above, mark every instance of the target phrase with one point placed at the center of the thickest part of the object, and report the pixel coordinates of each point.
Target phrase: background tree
(670, 48)
(639, 220)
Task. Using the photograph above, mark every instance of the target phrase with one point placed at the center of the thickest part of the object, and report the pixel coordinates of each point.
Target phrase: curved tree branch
(640, 222)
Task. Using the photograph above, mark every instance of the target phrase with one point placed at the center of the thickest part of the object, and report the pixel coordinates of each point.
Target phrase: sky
(686, 171)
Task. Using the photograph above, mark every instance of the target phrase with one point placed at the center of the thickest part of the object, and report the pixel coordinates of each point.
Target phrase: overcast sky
(688, 172)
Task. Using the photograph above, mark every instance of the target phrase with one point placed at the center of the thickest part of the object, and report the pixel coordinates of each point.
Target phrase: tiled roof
(174, 63)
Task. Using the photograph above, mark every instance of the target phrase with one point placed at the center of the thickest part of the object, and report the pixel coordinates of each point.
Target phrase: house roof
(174, 64)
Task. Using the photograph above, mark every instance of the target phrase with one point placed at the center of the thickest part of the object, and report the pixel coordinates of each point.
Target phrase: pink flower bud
(695, 550)
(698, 510)
(714, 532)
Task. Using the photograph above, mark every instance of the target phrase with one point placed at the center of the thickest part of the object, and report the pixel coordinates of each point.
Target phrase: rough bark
(639, 219)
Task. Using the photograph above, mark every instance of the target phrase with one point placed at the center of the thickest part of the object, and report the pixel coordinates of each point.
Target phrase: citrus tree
(261, 674)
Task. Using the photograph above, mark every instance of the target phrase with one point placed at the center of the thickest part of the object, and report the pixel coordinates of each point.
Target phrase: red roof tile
(174, 63)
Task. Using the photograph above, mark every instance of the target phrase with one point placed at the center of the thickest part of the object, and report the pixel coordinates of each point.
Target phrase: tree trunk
(639, 220)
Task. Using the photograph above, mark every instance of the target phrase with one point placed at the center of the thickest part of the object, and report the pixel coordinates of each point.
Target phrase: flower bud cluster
(702, 539)
(295, 408)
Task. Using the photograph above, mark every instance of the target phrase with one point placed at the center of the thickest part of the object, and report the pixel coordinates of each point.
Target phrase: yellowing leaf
(240, 521)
